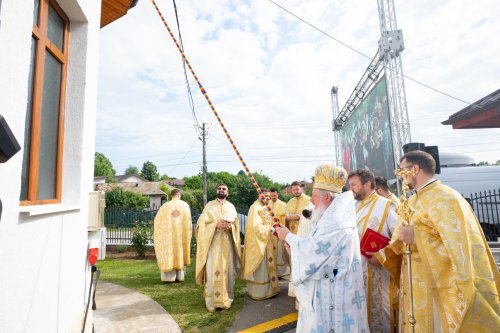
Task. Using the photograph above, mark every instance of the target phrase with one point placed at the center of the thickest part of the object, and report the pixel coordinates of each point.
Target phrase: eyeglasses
(404, 168)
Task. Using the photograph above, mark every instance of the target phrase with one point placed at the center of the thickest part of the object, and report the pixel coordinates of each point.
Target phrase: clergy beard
(317, 213)
(221, 195)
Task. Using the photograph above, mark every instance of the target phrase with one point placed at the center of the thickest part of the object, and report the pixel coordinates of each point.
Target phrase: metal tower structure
(390, 47)
(335, 113)
(388, 59)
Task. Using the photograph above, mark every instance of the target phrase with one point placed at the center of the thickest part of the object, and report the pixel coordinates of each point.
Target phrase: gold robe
(453, 271)
(377, 213)
(283, 267)
(394, 199)
(295, 206)
(172, 235)
(259, 254)
(218, 254)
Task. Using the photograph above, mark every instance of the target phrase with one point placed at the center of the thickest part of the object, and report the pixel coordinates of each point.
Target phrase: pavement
(120, 309)
(274, 314)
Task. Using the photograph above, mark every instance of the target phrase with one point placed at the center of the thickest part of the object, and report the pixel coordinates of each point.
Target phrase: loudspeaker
(434, 151)
(413, 146)
(8, 143)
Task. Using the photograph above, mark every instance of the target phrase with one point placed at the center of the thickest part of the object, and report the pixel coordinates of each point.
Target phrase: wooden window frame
(42, 44)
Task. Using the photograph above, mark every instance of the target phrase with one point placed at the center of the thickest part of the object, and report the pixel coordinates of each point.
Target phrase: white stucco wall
(43, 272)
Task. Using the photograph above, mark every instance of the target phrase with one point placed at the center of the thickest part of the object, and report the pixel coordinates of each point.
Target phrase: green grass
(183, 300)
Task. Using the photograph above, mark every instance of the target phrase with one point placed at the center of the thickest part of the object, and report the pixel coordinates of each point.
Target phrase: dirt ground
(112, 253)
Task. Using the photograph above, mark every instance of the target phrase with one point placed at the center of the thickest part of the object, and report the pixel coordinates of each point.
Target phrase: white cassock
(327, 272)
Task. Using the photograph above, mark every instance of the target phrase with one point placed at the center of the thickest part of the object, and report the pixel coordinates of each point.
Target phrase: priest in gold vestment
(377, 213)
(259, 254)
(278, 207)
(218, 251)
(292, 216)
(382, 188)
(172, 238)
(454, 277)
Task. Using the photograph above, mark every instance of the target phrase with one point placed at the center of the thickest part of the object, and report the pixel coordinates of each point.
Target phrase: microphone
(307, 213)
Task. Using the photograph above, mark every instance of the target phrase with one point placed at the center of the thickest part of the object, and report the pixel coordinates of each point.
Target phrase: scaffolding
(387, 58)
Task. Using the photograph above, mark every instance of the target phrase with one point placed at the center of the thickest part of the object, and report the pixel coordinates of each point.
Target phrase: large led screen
(366, 140)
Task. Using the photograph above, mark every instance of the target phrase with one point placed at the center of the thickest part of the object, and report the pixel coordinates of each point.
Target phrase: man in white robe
(327, 263)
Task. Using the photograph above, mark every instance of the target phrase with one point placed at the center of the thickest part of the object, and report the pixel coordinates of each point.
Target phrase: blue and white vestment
(327, 272)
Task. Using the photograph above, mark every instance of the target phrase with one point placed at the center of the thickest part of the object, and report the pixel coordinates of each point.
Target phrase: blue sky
(269, 76)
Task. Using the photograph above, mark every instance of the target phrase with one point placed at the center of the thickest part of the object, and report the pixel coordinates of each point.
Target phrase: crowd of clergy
(454, 280)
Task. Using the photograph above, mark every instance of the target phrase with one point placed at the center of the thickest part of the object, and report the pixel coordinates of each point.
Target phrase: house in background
(150, 189)
(99, 180)
(48, 89)
(130, 179)
(178, 183)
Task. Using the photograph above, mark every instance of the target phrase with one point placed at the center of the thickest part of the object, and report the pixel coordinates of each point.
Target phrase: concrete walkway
(120, 309)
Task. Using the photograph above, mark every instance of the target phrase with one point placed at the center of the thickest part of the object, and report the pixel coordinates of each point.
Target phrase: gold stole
(371, 201)
(271, 248)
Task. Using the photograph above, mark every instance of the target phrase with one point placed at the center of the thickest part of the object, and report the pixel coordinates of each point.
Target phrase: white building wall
(43, 274)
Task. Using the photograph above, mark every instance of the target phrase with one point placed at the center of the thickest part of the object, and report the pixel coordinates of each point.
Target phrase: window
(44, 124)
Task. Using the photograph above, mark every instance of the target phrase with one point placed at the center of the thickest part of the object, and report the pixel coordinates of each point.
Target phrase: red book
(372, 241)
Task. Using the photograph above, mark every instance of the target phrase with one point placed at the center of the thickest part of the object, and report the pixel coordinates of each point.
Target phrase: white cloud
(269, 76)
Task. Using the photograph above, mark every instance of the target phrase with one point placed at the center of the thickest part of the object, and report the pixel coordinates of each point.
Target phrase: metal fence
(120, 222)
(486, 206)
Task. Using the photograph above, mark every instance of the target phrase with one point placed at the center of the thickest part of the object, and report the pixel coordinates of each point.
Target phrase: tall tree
(103, 167)
(149, 171)
(132, 170)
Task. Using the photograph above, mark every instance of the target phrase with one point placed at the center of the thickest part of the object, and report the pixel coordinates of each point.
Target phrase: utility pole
(203, 139)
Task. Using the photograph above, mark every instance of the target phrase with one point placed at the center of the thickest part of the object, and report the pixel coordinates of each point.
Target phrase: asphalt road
(258, 312)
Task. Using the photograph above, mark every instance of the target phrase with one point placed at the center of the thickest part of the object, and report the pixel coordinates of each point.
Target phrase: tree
(126, 199)
(497, 162)
(103, 167)
(150, 172)
(132, 170)
(484, 163)
(242, 193)
(165, 177)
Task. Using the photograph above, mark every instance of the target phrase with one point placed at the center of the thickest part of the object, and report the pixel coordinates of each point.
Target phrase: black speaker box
(434, 151)
(413, 146)
(8, 143)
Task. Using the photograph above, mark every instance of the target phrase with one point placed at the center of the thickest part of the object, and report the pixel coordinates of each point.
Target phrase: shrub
(122, 248)
(140, 237)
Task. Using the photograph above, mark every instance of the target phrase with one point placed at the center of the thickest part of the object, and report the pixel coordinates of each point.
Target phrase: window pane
(55, 28)
(35, 12)
(27, 127)
(49, 128)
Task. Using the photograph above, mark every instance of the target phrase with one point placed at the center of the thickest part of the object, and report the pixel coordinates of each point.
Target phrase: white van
(480, 185)
(471, 179)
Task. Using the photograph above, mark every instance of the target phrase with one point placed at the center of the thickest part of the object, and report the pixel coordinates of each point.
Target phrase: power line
(368, 57)
(190, 95)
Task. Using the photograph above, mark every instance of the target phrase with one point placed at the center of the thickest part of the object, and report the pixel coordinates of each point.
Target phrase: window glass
(27, 127)
(35, 12)
(55, 28)
(47, 172)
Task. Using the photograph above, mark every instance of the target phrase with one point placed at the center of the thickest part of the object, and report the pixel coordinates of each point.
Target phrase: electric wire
(368, 57)
(190, 95)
